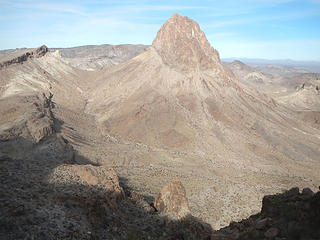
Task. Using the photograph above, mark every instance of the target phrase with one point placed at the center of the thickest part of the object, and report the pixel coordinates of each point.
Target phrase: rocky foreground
(60, 199)
(289, 215)
(48, 191)
(166, 145)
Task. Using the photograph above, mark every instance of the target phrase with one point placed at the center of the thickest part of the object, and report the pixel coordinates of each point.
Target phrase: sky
(269, 29)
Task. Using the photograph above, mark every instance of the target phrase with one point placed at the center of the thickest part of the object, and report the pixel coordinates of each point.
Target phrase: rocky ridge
(152, 122)
(179, 119)
(36, 53)
(95, 57)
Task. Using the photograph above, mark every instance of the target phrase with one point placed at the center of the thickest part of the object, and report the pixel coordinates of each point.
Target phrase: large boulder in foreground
(290, 215)
(172, 200)
(88, 183)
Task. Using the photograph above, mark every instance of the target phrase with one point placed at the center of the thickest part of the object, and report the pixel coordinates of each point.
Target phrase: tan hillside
(173, 111)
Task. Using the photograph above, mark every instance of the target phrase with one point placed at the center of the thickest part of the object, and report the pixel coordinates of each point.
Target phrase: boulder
(307, 192)
(172, 200)
(270, 202)
(40, 51)
(287, 215)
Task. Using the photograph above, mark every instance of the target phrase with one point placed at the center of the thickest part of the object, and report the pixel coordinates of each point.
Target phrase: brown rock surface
(181, 44)
(204, 125)
(26, 116)
(101, 182)
(172, 200)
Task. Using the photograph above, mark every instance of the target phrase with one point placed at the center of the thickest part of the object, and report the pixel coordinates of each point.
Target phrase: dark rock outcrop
(36, 53)
(289, 215)
(40, 51)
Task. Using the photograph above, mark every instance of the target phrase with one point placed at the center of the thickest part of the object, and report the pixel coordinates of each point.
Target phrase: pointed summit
(181, 44)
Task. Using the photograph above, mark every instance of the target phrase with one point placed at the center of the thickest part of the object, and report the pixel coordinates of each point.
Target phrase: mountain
(306, 94)
(249, 76)
(171, 92)
(294, 88)
(160, 87)
(94, 57)
(313, 66)
(89, 57)
(271, 79)
(172, 111)
(178, 102)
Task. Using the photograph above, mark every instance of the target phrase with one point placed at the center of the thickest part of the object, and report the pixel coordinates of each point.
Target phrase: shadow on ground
(33, 208)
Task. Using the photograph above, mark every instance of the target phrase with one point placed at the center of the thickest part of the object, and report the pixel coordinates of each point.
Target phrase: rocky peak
(40, 51)
(182, 44)
(240, 65)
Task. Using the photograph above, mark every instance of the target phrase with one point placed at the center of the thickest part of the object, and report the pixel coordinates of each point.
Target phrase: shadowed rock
(289, 215)
(93, 177)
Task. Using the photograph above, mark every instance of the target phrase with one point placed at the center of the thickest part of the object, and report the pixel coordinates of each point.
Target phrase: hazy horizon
(221, 57)
(274, 29)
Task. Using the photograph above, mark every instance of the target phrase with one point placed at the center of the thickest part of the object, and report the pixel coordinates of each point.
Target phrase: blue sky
(271, 29)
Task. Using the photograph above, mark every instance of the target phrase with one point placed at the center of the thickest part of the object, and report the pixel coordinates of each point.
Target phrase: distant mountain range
(92, 57)
(310, 65)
